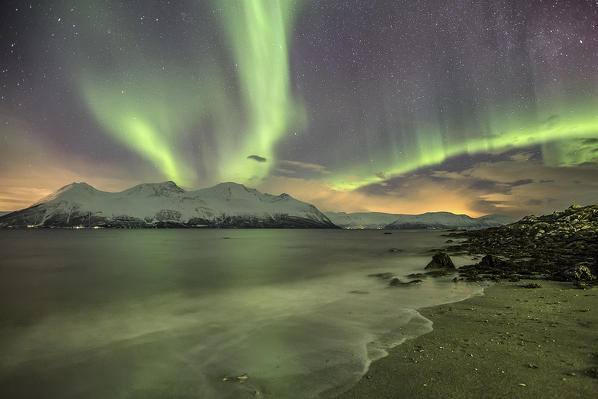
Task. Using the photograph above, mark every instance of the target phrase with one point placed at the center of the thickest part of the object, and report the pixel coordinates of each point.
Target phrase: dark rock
(383, 276)
(437, 273)
(561, 246)
(592, 372)
(417, 275)
(395, 250)
(488, 261)
(441, 260)
(580, 272)
(396, 282)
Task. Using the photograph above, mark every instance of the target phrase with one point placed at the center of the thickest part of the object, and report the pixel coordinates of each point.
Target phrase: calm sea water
(169, 313)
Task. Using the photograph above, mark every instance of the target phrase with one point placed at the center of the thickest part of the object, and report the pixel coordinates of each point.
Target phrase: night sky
(408, 106)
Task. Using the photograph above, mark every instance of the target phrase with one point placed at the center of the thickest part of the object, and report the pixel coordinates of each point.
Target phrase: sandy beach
(511, 342)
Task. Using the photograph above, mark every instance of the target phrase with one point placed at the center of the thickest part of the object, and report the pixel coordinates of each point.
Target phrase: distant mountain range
(167, 205)
(224, 205)
(429, 220)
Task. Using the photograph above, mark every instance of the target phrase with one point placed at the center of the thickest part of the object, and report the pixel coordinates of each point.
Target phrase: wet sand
(512, 342)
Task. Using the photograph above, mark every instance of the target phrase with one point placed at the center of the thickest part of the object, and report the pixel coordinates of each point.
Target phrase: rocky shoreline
(558, 247)
(562, 246)
(511, 341)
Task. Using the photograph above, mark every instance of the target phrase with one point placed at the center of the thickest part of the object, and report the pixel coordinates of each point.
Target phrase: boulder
(395, 282)
(579, 272)
(489, 262)
(441, 260)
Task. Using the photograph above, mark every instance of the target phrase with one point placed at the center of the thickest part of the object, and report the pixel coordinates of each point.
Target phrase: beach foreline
(533, 344)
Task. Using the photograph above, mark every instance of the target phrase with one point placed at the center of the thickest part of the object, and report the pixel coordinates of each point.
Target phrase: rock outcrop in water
(561, 246)
(441, 260)
(166, 205)
(396, 282)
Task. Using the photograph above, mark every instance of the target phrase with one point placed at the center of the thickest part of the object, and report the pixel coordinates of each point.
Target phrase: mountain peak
(230, 184)
(169, 184)
(165, 188)
(77, 186)
(230, 187)
(70, 190)
(74, 187)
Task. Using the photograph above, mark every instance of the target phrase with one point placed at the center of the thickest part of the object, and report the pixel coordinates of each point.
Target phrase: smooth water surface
(169, 313)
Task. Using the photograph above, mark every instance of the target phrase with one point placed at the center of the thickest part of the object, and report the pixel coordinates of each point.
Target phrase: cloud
(520, 182)
(328, 199)
(516, 183)
(299, 169)
(257, 158)
(488, 185)
(544, 189)
(305, 165)
(17, 202)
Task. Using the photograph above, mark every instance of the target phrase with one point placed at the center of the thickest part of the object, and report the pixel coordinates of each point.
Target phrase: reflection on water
(169, 313)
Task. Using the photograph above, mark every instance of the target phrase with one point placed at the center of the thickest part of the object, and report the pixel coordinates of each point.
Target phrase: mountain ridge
(428, 220)
(226, 204)
(167, 205)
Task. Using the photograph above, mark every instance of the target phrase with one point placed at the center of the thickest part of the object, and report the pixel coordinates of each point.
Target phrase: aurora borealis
(255, 35)
(406, 106)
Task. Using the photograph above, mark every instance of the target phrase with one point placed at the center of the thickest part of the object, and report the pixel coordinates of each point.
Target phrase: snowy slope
(361, 220)
(167, 205)
(429, 220)
(447, 220)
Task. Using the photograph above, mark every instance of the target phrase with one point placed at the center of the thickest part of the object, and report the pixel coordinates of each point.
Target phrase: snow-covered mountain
(361, 220)
(167, 205)
(429, 220)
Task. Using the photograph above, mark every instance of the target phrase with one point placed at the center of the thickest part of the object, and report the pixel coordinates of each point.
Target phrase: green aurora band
(154, 114)
(144, 122)
(258, 31)
(158, 114)
(565, 141)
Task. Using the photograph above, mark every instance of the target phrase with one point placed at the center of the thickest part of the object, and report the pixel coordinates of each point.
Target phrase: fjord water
(169, 313)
